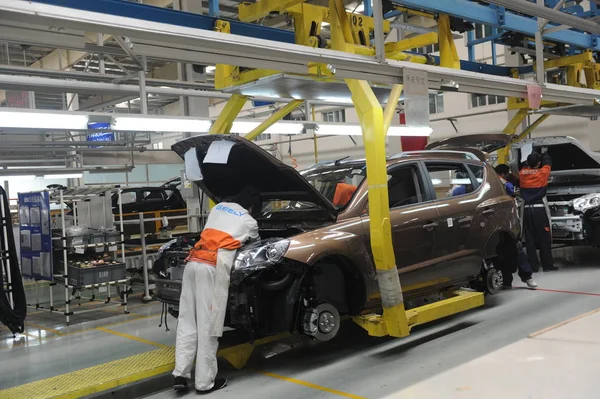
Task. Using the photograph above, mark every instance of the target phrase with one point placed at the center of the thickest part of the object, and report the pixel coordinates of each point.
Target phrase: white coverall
(204, 292)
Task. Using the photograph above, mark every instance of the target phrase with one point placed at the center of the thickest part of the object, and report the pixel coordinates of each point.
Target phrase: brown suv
(450, 219)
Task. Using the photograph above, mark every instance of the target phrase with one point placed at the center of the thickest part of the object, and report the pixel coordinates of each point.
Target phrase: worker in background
(536, 218)
(343, 194)
(514, 257)
(205, 288)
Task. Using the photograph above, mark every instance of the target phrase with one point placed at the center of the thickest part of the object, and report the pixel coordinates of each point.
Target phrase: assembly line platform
(521, 344)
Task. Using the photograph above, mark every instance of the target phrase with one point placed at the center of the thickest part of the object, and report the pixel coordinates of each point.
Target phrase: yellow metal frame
(448, 54)
(270, 121)
(375, 122)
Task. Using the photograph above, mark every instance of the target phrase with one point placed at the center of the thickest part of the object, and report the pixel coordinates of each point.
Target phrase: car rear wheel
(321, 322)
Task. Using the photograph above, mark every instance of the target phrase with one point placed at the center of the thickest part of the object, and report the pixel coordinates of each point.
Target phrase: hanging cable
(12, 315)
(294, 160)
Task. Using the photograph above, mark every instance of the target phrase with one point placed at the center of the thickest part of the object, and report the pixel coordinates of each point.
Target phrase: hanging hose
(164, 314)
(294, 160)
(11, 317)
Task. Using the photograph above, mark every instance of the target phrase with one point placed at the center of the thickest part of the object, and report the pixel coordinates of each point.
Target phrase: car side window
(477, 171)
(129, 197)
(153, 195)
(450, 179)
(404, 187)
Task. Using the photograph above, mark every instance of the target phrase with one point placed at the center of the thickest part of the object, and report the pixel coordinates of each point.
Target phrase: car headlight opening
(265, 254)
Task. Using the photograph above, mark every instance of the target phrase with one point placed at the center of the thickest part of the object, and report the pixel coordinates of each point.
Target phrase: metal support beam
(225, 119)
(271, 120)
(541, 11)
(412, 42)
(511, 129)
(368, 8)
(540, 73)
(448, 54)
(379, 36)
(248, 52)
(371, 117)
(213, 8)
(483, 14)
(390, 108)
(530, 128)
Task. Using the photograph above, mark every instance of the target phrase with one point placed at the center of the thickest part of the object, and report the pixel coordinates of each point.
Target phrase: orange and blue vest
(534, 182)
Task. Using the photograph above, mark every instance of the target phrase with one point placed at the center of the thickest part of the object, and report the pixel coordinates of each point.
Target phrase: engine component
(322, 322)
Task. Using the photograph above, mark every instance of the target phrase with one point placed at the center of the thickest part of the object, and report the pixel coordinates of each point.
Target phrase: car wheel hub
(322, 322)
(326, 322)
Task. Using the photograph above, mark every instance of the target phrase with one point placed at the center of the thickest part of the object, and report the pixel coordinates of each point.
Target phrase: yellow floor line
(131, 337)
(97, 378)
(40, 327)
(309, 384)
(69, 333)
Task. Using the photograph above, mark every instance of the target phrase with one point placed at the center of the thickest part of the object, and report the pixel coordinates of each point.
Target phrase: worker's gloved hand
(544, 150)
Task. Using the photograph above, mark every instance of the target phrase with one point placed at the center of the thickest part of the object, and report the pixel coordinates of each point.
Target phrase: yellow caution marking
(309, 385)
(40, 327)
(97, 378)
(132, 337)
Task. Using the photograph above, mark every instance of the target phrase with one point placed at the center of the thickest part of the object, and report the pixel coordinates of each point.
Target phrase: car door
(153, 199)
(411, 217)
(458, 193)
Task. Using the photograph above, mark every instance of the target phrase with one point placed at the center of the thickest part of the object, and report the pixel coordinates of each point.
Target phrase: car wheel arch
(355, 287)
(495, 241)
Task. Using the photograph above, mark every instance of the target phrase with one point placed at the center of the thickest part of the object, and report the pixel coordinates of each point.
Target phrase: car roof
(424, 155)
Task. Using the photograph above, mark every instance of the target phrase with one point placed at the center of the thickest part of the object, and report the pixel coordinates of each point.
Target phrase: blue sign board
(104, 135)
(36, 235)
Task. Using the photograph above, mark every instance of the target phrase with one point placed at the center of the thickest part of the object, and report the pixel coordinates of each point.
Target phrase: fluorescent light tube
(42, 120)
(65, 176)
(17, 177)
(245, 127)
(170, 125)
(356, 130)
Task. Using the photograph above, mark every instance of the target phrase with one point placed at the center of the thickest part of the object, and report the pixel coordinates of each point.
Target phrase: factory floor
(521, 344)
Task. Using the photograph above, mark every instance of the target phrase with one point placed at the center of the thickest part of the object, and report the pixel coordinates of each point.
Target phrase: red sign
(411, 143)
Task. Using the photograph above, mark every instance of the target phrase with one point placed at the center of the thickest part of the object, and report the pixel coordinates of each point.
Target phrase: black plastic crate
(80, 277)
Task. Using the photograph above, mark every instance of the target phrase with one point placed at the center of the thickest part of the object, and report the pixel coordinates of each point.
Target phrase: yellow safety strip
(97, 378)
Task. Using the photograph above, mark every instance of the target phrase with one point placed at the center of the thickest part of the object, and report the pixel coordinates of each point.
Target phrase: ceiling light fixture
(169, 125)
(245, 127)
(64, 176)
(10, 119)
(356, 130)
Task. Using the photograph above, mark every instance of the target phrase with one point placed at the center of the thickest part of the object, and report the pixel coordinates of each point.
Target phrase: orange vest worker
(343, 194)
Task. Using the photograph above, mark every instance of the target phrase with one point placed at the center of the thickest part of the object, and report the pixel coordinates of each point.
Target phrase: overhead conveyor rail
(184, 44)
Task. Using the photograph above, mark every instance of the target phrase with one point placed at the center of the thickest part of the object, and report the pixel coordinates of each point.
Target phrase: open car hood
(569, 155)
(248, 164)
(486, 143)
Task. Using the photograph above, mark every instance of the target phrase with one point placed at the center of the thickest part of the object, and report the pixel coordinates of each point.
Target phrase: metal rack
(75, 196)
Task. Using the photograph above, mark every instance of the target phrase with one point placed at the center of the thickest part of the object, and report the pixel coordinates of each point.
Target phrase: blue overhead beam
(180, 18)
(483, 14)
(174, 17)
(213, 8)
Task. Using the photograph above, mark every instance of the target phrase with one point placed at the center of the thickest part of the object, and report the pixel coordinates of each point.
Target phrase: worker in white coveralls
(205, 288)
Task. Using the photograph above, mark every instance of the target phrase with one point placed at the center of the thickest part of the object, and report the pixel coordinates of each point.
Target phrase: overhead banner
(36, 235)
(103, 135)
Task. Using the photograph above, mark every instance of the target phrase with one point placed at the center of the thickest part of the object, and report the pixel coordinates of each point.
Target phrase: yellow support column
(390, 107)
(225, 120)
(341, 34)
(448, 54)
(511, 129)
(393, 322)
(277, 116)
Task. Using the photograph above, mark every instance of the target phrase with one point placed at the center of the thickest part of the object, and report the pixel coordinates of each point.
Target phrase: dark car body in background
(153, 202)
(315, 253)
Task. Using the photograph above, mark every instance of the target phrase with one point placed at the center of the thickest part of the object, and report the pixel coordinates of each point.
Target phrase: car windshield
(337, 183)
